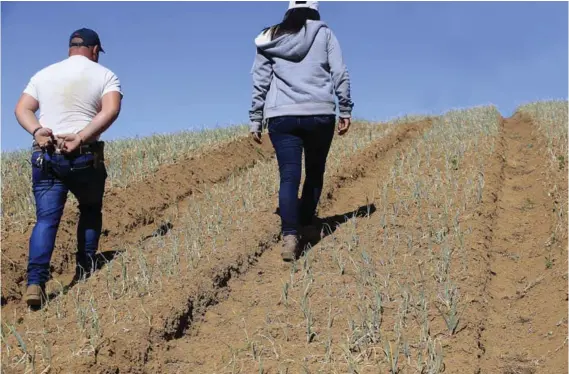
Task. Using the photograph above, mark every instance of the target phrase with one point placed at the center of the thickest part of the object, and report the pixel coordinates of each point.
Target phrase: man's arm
(27, 106)
(25, 112)
(110, 110)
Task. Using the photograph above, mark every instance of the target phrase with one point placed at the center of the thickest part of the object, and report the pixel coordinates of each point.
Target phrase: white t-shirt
(69, 93)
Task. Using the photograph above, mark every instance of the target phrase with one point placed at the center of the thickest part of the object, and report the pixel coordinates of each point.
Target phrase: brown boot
(290, 248)
(35, 295)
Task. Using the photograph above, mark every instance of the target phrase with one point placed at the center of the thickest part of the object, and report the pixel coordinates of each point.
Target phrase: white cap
(303, 4)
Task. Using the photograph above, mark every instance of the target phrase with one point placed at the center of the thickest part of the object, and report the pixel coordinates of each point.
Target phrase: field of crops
(443, 248)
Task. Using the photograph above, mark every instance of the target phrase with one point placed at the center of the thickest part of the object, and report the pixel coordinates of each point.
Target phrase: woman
(297, 70)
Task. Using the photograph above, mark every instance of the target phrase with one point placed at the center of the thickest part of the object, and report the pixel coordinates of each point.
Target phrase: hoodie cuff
(255, 127)
(345, 114)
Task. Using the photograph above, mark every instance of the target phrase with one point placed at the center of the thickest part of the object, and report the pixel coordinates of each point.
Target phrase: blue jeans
(51, 183)
(291, 135)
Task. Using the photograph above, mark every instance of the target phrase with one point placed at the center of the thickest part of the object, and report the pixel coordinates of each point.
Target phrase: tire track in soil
(129, 214)
(203, 346)
(523, 326)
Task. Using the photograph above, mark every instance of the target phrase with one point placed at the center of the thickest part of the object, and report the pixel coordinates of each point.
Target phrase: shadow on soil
(327, 226)
(324, 227)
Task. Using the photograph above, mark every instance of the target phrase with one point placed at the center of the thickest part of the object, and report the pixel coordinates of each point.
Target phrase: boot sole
(33, 301)
(288, 256)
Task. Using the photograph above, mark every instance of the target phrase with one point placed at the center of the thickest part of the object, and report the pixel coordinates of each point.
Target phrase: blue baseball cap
(90, 38)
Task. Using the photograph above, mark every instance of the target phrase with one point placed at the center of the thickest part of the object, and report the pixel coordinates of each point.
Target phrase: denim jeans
(291, 135)
(50, 183)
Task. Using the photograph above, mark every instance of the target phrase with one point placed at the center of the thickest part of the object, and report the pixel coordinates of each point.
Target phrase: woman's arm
(262, 74)
(340, 76)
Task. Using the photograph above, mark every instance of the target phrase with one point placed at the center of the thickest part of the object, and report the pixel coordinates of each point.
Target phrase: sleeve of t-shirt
(112, 83)
(31, 89)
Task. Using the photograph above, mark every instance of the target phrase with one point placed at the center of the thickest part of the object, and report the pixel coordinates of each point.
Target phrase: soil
(525, 328)
(130, 214)
(516, 320)
(244, 310)
(257, 296)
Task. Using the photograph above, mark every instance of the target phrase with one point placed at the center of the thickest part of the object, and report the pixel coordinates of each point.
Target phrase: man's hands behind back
(68, 143)
(44, 137)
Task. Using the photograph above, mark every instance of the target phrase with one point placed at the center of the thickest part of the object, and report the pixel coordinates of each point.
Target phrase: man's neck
(78, 54)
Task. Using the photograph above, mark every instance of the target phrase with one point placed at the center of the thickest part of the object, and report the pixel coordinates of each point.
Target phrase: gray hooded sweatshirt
(299, 74)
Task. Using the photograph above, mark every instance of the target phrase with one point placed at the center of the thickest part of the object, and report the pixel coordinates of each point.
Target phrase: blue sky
(186, 65)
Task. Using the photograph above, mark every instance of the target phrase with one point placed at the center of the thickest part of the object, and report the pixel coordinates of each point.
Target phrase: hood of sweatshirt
(292, 47)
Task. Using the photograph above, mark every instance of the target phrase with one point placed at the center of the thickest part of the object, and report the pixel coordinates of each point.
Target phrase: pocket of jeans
(325, 120)
(81, 167)
(275, 122)
(38, 173)
(83, 162)
(34, 159)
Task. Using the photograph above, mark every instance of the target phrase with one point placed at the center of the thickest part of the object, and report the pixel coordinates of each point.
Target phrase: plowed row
(75, 309)
(257, 296)
(130, 214)
(525, 326)
(377, 295)
(444, 248)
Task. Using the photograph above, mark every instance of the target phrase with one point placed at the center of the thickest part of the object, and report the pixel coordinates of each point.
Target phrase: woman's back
(299, 72)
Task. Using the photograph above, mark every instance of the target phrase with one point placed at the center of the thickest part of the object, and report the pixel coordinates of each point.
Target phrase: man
(78, 100)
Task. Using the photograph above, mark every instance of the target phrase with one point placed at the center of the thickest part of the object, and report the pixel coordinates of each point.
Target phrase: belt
(83, 149)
